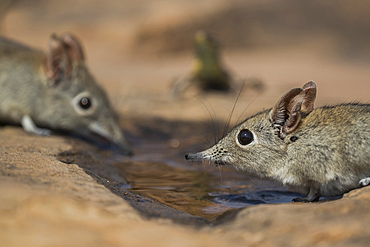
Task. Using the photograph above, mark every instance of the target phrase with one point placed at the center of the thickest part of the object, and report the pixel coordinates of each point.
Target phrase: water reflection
(200, 190)
(159, 171)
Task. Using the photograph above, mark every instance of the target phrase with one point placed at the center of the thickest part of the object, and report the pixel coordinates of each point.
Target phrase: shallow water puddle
(158, 170)
(200, 190)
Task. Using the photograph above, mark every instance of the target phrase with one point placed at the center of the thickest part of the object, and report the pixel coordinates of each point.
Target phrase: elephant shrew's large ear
(286, 115)
(58, 64)
(309, 99)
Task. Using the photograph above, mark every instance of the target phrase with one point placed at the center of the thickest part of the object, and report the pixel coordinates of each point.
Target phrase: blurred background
(136, 49)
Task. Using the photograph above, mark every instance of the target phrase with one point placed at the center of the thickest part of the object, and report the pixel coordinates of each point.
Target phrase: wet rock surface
(55, 191)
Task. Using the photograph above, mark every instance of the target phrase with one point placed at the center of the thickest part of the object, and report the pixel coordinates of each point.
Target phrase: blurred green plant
(207, 72)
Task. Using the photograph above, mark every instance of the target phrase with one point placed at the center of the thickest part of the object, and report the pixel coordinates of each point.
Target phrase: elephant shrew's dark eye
(245, 137)
(85, 103)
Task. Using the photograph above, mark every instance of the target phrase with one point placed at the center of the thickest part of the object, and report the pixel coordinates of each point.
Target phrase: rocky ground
(47, 200)
(58, 191)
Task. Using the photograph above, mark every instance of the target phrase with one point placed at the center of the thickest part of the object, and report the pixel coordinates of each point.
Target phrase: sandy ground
(46, 202)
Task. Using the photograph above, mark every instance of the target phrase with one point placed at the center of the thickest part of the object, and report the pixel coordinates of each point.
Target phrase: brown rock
(46, 202)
